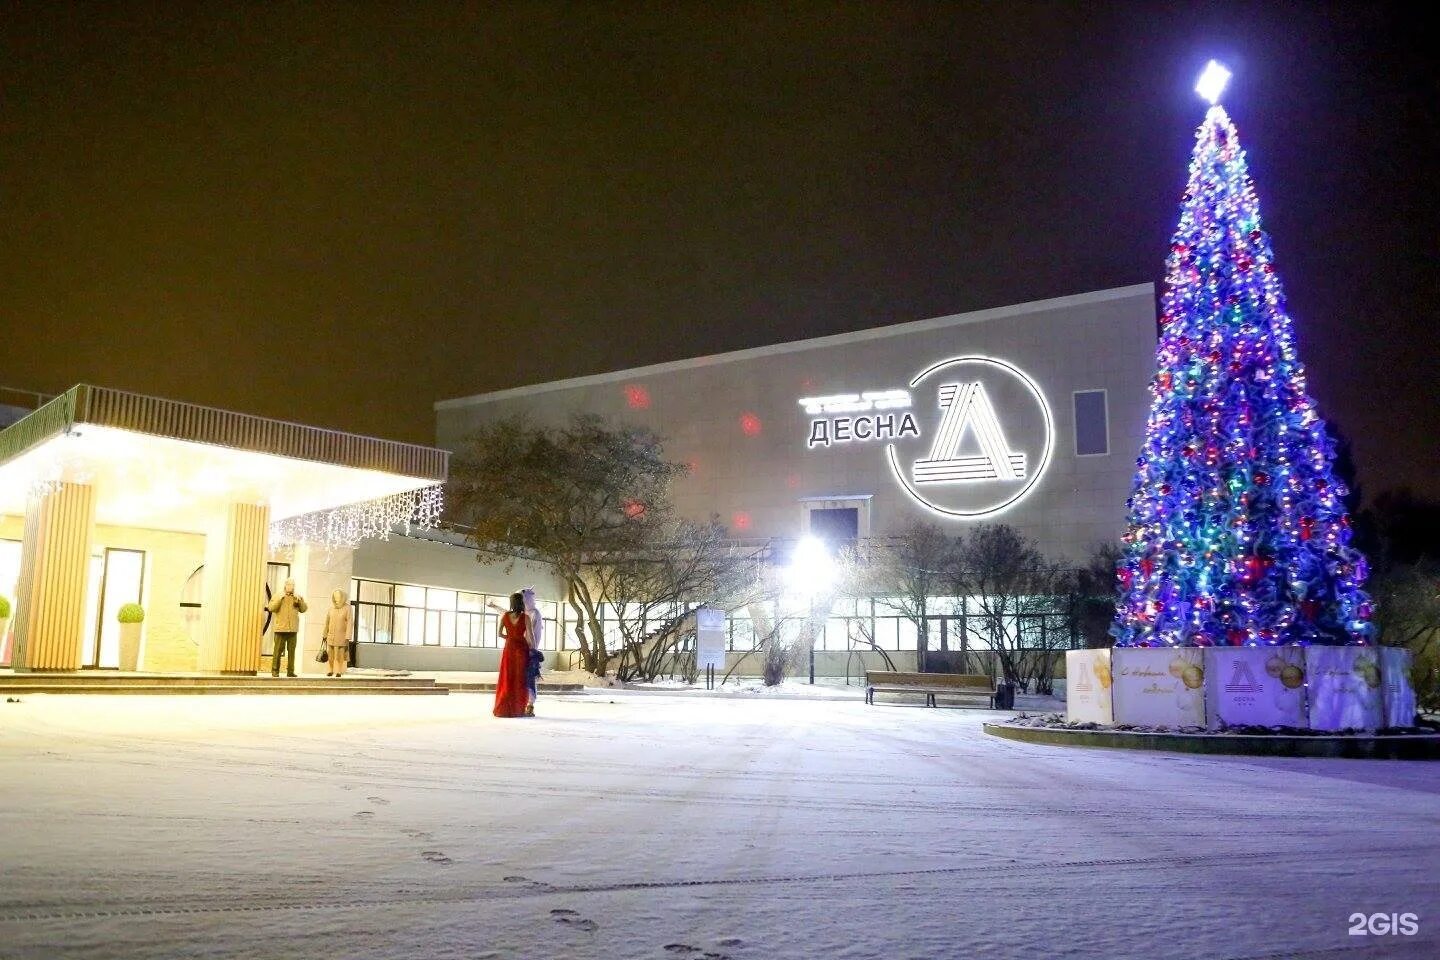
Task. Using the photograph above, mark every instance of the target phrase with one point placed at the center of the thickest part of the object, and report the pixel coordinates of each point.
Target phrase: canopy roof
(170, 466)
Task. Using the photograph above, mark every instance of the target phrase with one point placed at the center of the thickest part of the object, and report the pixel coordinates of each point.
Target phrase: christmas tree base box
(1264, 686)
(1396, 692)
(1159, 686)
(1323, 688)
(1344, 685)
(1087, 686)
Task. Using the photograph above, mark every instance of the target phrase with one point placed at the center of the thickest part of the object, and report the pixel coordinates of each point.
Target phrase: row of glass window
(435, 616)
(901, 633)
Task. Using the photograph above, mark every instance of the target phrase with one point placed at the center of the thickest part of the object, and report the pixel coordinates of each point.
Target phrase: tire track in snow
(122, 909)
(685, 797)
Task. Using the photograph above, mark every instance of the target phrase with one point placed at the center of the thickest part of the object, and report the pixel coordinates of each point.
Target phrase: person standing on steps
(337, 634)
(286, 610)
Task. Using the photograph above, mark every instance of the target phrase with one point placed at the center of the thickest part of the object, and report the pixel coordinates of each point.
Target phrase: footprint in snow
(571, 918)
(528, 883)
(685, 950)
(365, 815)
(435, 856)
(378, 801)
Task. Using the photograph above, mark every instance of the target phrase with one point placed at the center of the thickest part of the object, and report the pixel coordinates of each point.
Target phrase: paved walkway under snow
(657, 827)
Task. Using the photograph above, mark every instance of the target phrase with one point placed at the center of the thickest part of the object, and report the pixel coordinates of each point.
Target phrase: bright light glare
(1212, 81)
(812, 569)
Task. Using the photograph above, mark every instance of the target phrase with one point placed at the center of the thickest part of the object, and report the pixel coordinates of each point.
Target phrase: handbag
(322, 655)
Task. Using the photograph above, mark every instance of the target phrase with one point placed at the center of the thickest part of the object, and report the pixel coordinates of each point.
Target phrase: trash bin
(1005, 696)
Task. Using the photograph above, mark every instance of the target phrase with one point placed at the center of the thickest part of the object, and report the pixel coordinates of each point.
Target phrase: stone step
(488, 686)
(98, 679)
(271, 688)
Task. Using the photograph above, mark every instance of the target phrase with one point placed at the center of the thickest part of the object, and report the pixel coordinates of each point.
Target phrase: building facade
(1030, 415)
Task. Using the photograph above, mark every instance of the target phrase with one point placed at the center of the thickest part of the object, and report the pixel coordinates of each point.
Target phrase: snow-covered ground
(646, 826)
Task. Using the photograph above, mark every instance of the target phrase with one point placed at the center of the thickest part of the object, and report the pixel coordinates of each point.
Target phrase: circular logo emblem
(986, 438)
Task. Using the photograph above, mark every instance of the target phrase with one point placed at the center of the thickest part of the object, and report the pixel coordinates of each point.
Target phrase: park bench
(971, 686)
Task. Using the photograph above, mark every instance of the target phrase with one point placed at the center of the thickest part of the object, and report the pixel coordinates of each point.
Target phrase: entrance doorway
(121, 580)
(948, 645)
(191, 600)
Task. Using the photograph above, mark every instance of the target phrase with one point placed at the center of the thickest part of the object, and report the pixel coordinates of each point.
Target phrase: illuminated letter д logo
(1004, 462)
(968, 405)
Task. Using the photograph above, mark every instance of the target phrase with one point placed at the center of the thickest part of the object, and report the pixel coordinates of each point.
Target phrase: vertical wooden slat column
(234, 596)
(54, 567)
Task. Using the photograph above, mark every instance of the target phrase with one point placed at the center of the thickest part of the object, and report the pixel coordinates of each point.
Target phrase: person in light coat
(337, 634)
(286, 609)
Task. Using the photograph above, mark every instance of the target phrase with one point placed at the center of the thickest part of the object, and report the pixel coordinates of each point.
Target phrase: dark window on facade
(836, 525)
(1092, 429)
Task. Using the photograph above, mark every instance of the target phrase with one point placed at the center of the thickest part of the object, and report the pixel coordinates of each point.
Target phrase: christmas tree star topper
(1212, 82)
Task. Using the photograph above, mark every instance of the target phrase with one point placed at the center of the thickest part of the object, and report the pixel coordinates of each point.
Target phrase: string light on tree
(1237, 529)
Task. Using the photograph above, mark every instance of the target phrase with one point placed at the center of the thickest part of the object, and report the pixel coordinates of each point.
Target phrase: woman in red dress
(512, 696)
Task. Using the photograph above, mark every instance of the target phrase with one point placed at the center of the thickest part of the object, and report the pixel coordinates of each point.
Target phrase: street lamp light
(812, 569)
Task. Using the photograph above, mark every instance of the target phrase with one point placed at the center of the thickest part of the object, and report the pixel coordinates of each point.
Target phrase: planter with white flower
(5, 611)
(131, 615)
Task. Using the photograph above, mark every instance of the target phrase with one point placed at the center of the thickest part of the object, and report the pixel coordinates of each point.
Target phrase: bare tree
(1090, 594)
(565, 496)
(917, 567)
(1011, 594)
(654, 589)
(788, 606)
(781, 623)
(1407, 613)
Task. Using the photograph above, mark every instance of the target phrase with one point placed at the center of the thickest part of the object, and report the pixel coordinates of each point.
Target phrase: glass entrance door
(122, 580)
(275, 576)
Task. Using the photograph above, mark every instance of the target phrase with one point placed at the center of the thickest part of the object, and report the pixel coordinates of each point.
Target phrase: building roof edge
(1136, 290)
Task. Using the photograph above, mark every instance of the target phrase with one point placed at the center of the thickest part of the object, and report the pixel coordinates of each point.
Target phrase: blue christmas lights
(1237, 529)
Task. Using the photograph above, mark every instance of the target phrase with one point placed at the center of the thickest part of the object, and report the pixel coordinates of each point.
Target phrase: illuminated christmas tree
(1237, 528)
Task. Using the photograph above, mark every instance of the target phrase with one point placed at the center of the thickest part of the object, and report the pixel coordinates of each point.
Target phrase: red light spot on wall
(793, 481)
(634, 509)
(637, 397)
(750, 425)
(693, 466)
(808, 383)
(740, 521)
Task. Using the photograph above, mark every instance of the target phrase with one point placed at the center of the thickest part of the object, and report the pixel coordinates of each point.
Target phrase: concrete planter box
(130, 646)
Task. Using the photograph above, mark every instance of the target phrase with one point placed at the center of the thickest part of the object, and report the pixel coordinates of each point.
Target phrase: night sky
(340, 214)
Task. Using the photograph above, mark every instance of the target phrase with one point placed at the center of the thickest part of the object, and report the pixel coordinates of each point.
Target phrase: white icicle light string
(372, 519)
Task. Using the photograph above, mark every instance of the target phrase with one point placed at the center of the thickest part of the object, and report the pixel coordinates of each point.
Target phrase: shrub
(131, 613)
(1425, 678)
(4, 608)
